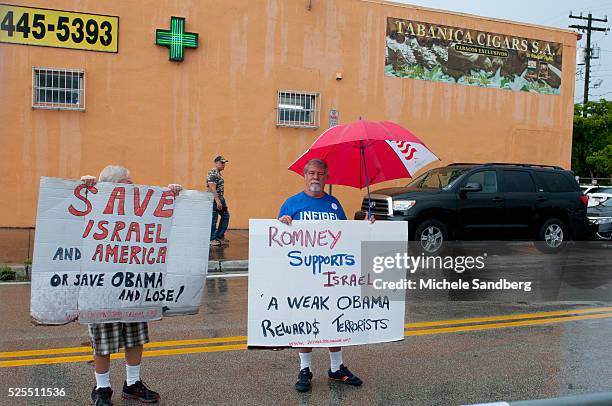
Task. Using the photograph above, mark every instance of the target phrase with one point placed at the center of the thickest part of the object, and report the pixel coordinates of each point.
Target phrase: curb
(20, 270)
(589, 399)
(241, 265)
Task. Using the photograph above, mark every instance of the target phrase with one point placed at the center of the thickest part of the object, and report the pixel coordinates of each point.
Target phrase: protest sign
(118, 252)
(306, 280)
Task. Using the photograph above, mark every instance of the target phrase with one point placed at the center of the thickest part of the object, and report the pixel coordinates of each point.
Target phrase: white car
(586, 189)
(601, 195)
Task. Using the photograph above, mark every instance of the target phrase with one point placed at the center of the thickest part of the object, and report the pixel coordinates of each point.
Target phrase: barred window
(298, 109)
(60, 89)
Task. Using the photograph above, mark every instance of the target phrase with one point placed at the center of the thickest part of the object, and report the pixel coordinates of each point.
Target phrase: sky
(552, 13)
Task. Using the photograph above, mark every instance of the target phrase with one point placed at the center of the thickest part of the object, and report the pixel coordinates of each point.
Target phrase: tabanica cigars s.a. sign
(421, 50)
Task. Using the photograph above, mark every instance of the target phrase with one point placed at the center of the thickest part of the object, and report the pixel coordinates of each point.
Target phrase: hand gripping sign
(308, 286)
(118, 252)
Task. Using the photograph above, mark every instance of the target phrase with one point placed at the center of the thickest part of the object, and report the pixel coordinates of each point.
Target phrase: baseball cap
(221, 159)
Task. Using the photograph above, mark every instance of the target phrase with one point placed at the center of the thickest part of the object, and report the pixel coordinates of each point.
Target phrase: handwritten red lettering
(99, 250)
(124, 254)
(161, 256)
(303, 238)
(103, 233)
(82, 197)
(158, 237)
(133, 229)
(272, 232)
(88, 228)
(167, 198)
(139, 208)
(111, 253)
(322, 236)
(118, 193)
(119, 225)
(148, 234)
(150, 259)
(129, 254)
(134, 251)
(335, 238)
(121, 231)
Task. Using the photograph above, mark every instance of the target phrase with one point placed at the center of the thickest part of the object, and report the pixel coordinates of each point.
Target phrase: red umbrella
(367, 152)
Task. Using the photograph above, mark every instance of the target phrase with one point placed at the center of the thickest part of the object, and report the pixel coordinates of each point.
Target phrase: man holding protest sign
(314, 204)
(108, 338)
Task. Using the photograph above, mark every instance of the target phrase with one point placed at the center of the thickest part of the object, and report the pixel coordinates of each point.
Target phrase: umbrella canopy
(367, 152)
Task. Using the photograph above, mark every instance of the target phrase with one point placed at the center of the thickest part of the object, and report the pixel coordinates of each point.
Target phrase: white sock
(132, 374)
(305, 360)
(335, 360)
(103, 380)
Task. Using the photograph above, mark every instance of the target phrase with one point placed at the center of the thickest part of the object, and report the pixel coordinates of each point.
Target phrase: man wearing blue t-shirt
(314, 204)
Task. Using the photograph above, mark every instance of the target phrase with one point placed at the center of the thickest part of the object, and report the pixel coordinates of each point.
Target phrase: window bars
(58, 89)
(298, 109)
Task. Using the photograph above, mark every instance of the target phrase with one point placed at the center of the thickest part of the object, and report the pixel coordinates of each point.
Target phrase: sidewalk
(233, 258)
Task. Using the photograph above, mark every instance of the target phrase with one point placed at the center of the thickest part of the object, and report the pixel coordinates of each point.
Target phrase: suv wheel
(431, 237)
(552, 236)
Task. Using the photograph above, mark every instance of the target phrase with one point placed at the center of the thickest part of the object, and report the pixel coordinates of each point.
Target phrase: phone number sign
(58, 28)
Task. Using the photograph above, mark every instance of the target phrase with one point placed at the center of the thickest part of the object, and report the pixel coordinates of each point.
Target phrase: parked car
(586, 189)
(490, 201)
(600, 220)
(599, 195)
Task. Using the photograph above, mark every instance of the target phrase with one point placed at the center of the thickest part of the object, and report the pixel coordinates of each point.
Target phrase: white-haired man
(108, 338)
(314, 203)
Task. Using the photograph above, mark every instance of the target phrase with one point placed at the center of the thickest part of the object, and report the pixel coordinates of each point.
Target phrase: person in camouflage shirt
(216, 185)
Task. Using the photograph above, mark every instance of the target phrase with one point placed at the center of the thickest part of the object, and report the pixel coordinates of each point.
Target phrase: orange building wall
(166, 121)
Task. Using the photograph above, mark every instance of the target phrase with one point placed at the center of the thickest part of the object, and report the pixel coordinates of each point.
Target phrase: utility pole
(588, 51)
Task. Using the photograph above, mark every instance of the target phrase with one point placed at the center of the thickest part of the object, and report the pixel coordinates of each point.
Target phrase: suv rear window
(518, 181)
(555, 182)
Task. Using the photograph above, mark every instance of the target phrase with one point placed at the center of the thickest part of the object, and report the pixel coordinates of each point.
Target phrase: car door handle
(497, 200)
(541, 199)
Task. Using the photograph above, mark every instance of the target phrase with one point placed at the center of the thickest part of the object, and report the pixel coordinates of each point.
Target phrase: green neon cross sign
(176, 38)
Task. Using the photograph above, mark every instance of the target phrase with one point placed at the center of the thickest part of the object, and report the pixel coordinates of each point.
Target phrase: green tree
(601, 160)
(592, 139)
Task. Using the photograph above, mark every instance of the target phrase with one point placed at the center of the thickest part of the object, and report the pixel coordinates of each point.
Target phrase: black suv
(493, 201)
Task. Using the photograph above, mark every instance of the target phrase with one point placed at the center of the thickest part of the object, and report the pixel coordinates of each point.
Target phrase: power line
(600, 9)
(601, 37)
(588, 50)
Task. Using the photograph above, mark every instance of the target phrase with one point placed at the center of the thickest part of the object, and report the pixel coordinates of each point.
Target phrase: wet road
(460, 347)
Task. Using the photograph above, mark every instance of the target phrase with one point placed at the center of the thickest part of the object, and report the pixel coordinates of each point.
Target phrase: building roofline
(438, 10)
